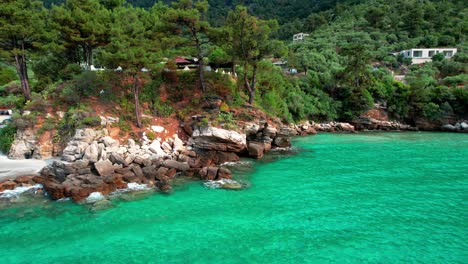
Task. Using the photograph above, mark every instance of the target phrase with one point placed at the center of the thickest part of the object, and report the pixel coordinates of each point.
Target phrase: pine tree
(22, 28)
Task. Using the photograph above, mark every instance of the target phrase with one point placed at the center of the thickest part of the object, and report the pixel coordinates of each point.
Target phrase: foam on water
(219, 183)
(20, 190)
(94, 197)
(131, 187)
(237, 163)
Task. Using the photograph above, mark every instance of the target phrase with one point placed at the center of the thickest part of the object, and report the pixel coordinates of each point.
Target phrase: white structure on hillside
(419, 56)
(300, 36)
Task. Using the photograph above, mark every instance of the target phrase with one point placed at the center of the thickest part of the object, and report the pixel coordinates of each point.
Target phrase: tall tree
(84, 26)
(251, 43)
(22, 27)
(188, 19)
(134, 45)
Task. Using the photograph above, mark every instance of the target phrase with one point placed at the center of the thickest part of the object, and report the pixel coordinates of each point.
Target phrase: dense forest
(345, 67)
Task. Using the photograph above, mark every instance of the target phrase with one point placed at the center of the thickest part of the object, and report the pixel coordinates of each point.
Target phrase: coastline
(200, 157)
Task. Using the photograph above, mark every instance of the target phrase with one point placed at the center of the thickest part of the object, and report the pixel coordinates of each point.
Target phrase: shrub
(37, 103)
(91, 121)
(123, 125)
(49, 124)
(24, 121)
(7, 75)
(163, 109)
(7, 136)
(227, 120)
(151, 135)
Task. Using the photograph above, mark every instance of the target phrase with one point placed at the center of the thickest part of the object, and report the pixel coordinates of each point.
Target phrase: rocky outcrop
(368, 123)
(461, 126)
(214, 173)
(94, 162)
(25, 146)
(256, 149)
(334, 127)
(212, 138)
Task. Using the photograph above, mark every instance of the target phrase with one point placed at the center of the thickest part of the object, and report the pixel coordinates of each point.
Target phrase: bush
(7, 75)
(124, 126)
(91, 121)
(151, 135)
(227, 120)
(86, 84)
(11, 100)
(23, 122)
(163, 109)
(38, 103)
(48, 125)
(7, 136)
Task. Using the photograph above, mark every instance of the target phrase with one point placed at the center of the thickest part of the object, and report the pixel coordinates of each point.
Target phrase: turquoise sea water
(339, 198)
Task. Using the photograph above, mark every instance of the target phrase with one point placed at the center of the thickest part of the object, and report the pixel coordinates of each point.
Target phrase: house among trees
(419, 56)
(183, 62)
(300, 36)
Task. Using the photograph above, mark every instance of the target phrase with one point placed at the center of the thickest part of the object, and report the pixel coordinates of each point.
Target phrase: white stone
(158, 129)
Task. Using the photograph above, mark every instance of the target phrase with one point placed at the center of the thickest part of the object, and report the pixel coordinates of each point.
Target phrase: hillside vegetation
(345, 66)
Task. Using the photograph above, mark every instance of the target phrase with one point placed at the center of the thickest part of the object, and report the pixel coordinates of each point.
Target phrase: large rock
(86, 135)
(449, 127)
(211, 138)
(251, 129)
(224, 173)
(282, 142)
(155, 147)
(269, 132)
(256, 149)
(24, 146)
(178, 143)
(110, 142)
(345, 127)
(208, 173)
(180, 166)
(104, 168)
(116, 158)
(287, 132)
(464, 126)
(92, 152)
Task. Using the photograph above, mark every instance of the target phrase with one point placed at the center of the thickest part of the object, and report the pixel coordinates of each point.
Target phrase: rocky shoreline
(94, 163)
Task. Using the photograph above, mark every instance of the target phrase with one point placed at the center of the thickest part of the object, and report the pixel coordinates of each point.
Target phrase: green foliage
(227, 120)
(7, 75)
(91, 121)
(48, 125)
(163, 109)
(7, 136)
(123, 125)
(11, 100)
(85, 84)
(37, 103)
(24, 121)
(151, 135)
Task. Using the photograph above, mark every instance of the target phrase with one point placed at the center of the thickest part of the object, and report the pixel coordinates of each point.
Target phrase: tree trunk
(233, 66)
(136, 96)
(88, 56)
(247, 84)
(201, 67)
(20, 63)
(253, 84)
(201, 64)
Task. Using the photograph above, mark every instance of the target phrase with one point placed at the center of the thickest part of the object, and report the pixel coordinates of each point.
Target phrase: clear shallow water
(372, 198)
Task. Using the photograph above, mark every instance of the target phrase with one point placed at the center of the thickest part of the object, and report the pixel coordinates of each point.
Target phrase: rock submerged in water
(227, 184)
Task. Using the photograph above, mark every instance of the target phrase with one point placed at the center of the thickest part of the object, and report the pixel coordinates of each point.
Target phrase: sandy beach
(13, 168)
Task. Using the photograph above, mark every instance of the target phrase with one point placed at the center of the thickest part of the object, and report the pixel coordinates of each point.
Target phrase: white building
(300, 36)
(419, 56)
